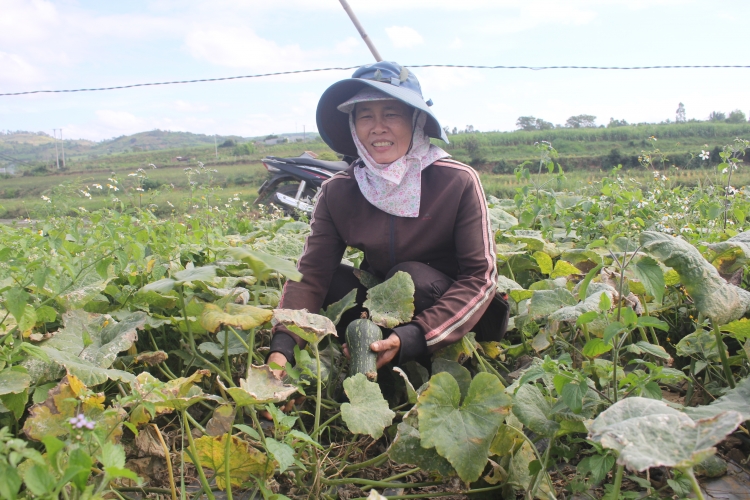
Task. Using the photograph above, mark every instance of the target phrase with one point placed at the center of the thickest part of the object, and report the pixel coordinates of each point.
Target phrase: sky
(68, 44)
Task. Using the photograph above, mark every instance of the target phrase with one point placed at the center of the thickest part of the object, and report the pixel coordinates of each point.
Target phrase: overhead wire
(299, 71)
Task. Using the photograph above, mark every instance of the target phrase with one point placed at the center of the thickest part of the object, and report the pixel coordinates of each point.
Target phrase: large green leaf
(713, 296)
(737, 399)
(336, 309)
(391, 303)
(500, 219)
(310, 327)
(263, 264)
(545, 302)
(534, 411)
(367, 411)
(237, 315)
(590, 304)
(648, 433)
(462, 431)
(648, 271)
(407, 449)
(699, 343)
(88, 361)
(205, 273)
(13, 381)
(260, 387)
(461, 374)
(216, 349)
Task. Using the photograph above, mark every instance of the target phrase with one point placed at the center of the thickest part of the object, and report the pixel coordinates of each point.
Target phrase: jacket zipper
(392, 246)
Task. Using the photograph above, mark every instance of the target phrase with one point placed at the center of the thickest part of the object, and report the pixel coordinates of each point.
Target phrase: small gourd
(359, 335)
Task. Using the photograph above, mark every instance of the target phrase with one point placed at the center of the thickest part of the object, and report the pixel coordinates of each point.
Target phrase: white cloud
(404, 36)
(242, 48)
(446, 79)
(349, 45)
(185, 106)
(17, 70)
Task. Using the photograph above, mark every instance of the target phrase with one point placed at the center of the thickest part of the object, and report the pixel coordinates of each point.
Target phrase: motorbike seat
(334, 166)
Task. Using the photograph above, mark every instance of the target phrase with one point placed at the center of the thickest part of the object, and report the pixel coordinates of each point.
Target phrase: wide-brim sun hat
(390, 78)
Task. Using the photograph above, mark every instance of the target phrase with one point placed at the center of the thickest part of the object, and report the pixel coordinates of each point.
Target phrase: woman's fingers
(387, 349)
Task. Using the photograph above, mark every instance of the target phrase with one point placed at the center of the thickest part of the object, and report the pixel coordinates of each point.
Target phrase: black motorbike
(294, 183)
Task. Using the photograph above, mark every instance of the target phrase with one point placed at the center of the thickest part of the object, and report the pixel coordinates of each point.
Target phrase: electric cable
(293, 72)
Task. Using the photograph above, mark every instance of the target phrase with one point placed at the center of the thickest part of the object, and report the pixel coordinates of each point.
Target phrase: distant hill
(23, 149)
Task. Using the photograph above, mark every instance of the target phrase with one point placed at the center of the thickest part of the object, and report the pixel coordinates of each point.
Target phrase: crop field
(136, 318)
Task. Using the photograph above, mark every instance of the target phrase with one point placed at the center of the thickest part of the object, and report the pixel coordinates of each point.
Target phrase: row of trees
(577, 121)
(589, 121)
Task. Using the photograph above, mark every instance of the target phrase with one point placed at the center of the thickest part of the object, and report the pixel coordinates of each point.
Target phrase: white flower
(82, 209)
(46, 199)
(152, 165)
(98, 186)
(705, 155)
(686, 229)
(227, 205)
(656, 175)
(170, 204)
(724, 171)
(730, 190)
(139, 189)
(133, 175)
(664, 178)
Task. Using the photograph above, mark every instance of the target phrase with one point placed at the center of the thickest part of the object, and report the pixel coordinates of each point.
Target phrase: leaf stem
(196, 460)
(693, 482)
(723, 354)
(618, 482)
(318, 401)
(373, 462)
(169, 461)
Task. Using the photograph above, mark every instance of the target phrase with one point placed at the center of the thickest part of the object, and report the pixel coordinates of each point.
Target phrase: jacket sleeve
(320, 259)
(462, 305)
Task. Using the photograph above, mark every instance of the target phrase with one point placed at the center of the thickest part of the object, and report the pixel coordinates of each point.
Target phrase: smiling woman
(409, 208)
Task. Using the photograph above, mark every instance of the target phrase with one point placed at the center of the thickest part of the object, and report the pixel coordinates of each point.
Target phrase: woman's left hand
(387, 349)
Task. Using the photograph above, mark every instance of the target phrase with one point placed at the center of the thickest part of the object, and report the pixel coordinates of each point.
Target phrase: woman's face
(384, 127)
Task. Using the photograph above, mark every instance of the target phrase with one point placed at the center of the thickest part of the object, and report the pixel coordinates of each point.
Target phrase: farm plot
(133, 347)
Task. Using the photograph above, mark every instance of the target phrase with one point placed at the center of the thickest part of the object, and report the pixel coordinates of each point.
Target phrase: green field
(584, 154)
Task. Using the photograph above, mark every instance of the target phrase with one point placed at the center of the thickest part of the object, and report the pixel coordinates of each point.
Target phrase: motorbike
(294, 183)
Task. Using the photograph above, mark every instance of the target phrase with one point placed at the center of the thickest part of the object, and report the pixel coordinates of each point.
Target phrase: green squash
(359, 335)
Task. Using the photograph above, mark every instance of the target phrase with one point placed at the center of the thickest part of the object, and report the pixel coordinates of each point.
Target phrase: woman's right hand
(279, 359)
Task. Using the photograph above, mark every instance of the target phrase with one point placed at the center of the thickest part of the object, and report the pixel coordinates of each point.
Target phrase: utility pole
(361, 30)
(304, 136)
(216, 147)
(57, 154)
(62, 146)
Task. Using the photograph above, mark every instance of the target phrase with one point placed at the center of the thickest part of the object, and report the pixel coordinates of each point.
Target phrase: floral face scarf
(396, 188)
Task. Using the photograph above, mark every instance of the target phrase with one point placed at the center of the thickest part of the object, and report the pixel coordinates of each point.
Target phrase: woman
(407, 207)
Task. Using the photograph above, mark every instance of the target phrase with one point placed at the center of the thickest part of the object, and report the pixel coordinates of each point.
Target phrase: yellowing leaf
(63, 402)
(544, 261)
(260, 387)
(237, 315)
(244, 460)
(564, 269)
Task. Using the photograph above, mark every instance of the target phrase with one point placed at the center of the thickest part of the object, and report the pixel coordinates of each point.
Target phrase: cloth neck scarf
(396, 188)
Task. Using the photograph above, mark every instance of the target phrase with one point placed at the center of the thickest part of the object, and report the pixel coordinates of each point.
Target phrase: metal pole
(57, 153)
(361, 30)
(216, 147)
(62, 146)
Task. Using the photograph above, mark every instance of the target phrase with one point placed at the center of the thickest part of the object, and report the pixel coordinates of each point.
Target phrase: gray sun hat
(388, 77)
